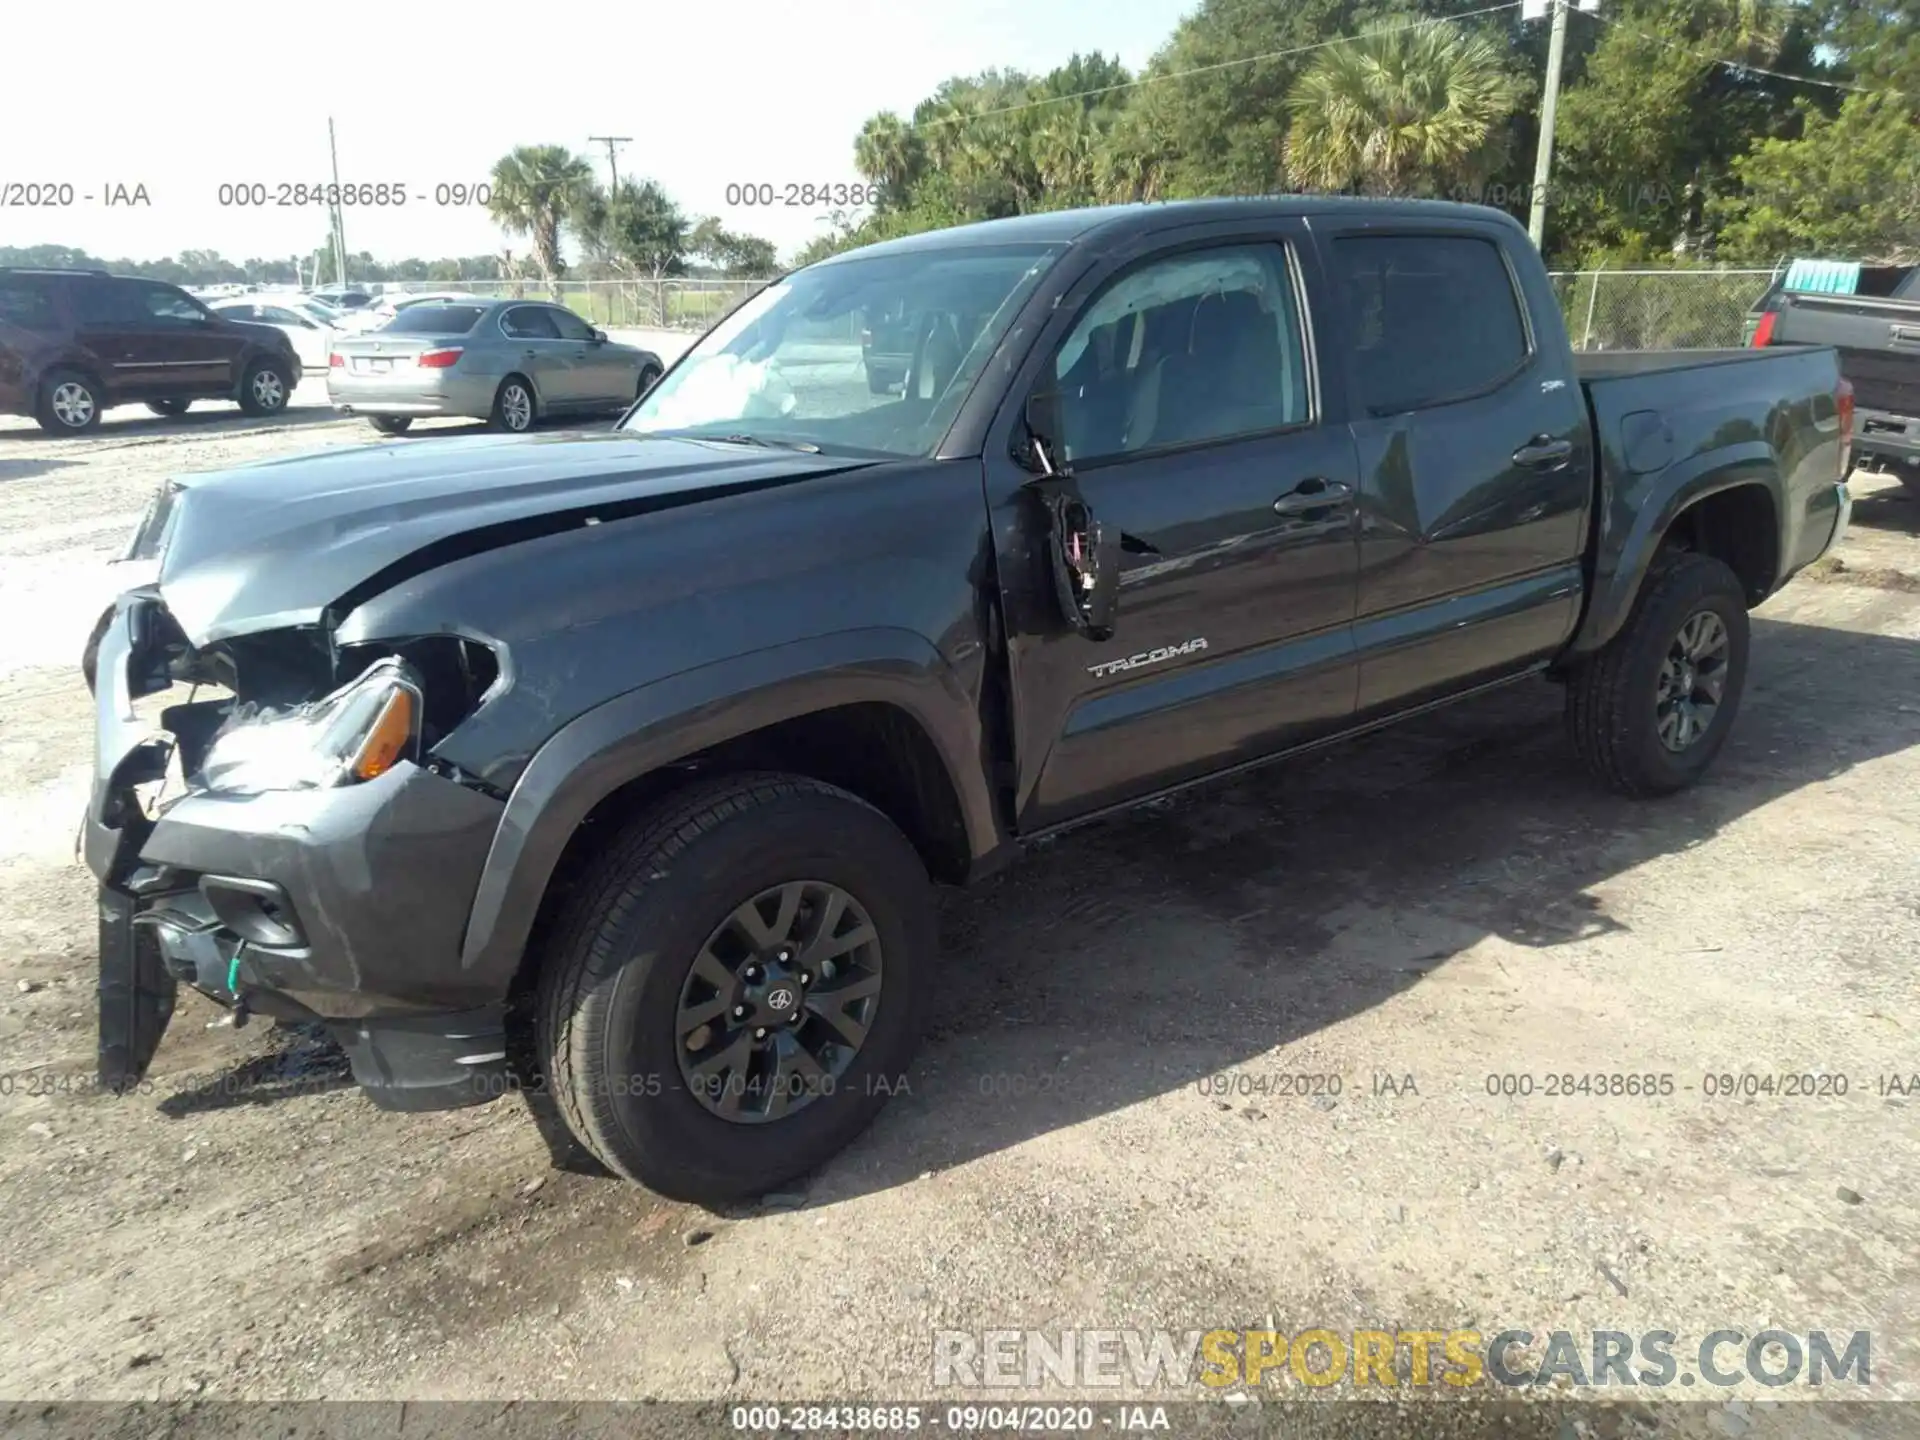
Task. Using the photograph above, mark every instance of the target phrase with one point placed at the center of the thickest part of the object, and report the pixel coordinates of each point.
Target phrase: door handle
(1543, 452)
(1313, 494)
(528, 354)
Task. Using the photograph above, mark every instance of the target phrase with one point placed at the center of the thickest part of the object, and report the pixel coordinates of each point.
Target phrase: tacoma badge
(1147, 657)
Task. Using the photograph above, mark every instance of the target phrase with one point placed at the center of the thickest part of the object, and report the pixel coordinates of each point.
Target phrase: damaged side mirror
(1083, 554)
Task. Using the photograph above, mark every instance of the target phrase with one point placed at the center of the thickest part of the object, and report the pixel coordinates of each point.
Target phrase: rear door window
(1433, 318)
(104, 302)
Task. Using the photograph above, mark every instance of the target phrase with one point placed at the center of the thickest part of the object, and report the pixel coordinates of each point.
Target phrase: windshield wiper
(807, 446)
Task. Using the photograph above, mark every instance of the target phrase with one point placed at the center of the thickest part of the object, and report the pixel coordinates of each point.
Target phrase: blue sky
(733, 91)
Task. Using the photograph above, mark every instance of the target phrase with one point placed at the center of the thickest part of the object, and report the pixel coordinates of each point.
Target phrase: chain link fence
(1658, 309)
(1605, 309)
(690, 305)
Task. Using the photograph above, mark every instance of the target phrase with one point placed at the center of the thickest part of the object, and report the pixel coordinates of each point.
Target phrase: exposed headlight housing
(357, 733)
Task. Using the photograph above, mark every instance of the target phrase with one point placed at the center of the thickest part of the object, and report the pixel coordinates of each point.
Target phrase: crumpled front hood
(277, 544)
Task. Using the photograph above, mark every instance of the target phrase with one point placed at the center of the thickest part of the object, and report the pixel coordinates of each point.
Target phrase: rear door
(543, 357)
(1475, 456)
(1196, 424)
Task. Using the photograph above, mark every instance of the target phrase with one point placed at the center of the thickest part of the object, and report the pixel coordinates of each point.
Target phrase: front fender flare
(1640, 518)
(669, 719)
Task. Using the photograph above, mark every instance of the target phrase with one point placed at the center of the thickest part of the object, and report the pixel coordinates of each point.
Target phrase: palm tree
(1396, 109)
(536, 190)
(889, 153)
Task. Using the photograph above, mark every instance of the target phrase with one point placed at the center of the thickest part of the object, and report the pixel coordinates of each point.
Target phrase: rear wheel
(265, 388)
(1648, 713)
(391, 424)
(168, 407)
(735, 988)
(513, 407)
(69, 403)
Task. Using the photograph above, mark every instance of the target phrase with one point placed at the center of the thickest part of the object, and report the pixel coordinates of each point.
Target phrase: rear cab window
(434, 319)
(1433, 319)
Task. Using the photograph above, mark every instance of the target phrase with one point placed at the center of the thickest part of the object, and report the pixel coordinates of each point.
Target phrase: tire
(265, 388)
(1615, 704)
(90, 657)
(515, 416)
(169, 407)
(69, 403)
(620, 964)
(391, 424)
(649, 377)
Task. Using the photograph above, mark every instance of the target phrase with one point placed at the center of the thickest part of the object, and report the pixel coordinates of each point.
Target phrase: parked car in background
(379, 314)
(343, 299)
(1871, 315)
(308, 326)
(634, 754)
(510, 362)
(75, 342)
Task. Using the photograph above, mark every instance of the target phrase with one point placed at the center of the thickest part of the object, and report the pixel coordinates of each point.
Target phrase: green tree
(889, 153)
(1848, 187)
(538, 190)
(1398, 110)
(638, 229)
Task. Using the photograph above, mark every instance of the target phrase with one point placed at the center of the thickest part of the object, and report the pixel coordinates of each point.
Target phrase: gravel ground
(1436, 905)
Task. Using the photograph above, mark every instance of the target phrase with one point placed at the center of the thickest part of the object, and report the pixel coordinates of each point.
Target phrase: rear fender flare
(1649, 510)
(667, 720)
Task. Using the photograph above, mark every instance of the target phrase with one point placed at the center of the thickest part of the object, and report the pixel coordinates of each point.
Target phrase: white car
(376, 315)
(310, 326)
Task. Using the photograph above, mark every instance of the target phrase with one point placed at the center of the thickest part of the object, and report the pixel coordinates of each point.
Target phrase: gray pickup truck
(641, 751)
(1876, 329)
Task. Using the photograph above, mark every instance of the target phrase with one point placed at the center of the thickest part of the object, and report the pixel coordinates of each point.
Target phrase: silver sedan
(509, 362)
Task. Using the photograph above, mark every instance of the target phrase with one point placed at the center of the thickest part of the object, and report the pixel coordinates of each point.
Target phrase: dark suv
(74, 342)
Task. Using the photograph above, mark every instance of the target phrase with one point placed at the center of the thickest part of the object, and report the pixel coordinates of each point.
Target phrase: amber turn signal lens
(388, 739)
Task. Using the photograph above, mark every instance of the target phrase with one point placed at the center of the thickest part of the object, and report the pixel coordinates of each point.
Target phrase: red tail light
(1843, 402)
(336, 361)
(1763, 332)
(440, 359)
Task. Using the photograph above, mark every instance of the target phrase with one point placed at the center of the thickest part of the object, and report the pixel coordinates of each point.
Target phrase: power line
(1741, 66)
(1200, 69)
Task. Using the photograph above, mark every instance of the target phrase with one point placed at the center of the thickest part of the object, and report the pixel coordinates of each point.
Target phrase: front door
(200, 356)
(606, 377)
(544, 357)
(1192, 420)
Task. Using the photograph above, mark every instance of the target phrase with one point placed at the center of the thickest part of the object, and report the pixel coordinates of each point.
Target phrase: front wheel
(735, 989)
(1649, 712)
(649, 377)
(265, 388)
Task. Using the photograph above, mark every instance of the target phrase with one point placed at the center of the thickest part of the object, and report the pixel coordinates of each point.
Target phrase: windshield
(866, 356)
(434, 320)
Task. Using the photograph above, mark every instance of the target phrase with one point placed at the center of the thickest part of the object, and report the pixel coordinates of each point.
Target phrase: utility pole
(339, 225)
(613, 167)
(1549, 112)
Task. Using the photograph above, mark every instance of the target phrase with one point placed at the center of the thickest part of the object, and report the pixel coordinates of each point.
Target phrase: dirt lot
(1445, 902)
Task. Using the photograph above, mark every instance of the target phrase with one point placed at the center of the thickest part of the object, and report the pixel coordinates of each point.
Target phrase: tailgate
(1878, 341)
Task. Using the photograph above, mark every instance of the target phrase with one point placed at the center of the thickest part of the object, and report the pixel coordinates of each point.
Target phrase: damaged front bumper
(343, 905)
